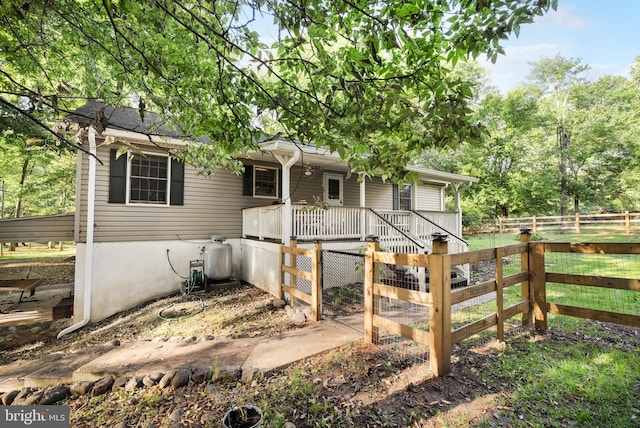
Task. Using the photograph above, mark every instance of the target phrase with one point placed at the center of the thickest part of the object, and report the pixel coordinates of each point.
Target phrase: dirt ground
(357, 385)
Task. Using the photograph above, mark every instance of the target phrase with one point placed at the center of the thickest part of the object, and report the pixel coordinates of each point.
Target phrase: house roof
(121, 120)
(323, 157)
(127, 123)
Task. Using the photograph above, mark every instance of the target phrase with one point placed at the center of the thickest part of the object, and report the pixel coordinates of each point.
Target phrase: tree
(370, 80)
(38, 171)
(557, 76)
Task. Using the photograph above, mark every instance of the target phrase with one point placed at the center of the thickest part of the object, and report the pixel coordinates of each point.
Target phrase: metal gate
(343, 287)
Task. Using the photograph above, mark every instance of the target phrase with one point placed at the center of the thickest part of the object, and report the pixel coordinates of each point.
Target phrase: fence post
(535, 224)
(538, 276)
(627, 223)
(577, 222)
(316, 282)
(293, 263)
(527, 286)
(500, 294)
(440, 314)
(370, 332)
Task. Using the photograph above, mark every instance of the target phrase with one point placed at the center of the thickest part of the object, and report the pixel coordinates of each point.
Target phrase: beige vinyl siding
(379, 194)
(428, 197)
(37, 229)
(309, 188)
(212, 205)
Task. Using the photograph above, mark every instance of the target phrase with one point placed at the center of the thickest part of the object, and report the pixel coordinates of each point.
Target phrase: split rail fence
(530, 281)
(576, 223)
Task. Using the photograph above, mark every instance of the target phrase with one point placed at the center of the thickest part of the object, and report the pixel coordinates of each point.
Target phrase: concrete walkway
(239, 358)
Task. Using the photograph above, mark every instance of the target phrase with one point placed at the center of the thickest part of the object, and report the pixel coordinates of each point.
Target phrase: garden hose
(196, 279)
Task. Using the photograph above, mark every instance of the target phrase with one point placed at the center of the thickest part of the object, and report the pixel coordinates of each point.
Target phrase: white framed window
(148, 179)
(265, 182)
(403, 197)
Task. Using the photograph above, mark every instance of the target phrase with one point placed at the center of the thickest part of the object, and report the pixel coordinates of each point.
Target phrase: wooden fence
(531, 276)
(626, 222)
(313, 276)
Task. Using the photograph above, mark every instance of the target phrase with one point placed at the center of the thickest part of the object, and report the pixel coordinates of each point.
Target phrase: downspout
(363, 209)
(287, 162)
(88, 259)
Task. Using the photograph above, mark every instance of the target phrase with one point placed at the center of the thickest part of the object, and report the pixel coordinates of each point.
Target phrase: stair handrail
(440, 227)
(394, 227)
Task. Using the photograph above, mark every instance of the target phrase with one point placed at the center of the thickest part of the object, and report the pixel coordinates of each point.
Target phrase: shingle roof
(103, 116)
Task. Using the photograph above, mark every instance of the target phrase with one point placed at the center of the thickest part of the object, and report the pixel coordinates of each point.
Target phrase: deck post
(527, 286)
(370, 332)
(440, 314)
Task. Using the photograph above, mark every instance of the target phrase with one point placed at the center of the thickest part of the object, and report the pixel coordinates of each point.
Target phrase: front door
(333, 189)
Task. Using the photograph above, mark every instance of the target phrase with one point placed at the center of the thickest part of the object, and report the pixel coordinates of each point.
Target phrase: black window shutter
(177, 182)
(396, 197)
(247, 181)
(117, 178)
(280, 183)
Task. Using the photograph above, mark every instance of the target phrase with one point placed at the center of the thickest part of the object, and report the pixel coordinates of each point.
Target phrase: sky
(605, 35)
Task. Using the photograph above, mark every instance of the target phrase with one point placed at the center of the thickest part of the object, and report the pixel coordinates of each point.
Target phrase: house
(140, 220)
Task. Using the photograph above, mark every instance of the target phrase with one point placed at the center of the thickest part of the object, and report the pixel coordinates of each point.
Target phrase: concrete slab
(278, 352)
(58, 368)
(224, 356)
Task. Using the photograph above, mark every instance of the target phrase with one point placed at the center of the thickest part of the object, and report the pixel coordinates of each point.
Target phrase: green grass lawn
(36, 250)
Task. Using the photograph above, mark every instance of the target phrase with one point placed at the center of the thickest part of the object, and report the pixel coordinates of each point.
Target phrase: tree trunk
(23, 177)
(563, 146)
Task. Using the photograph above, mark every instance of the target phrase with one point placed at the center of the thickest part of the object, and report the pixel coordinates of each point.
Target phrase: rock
(175, 339)
(156, 376)
(176, 416)
(208, 419)
(120, 382)
(8, 397)
(22, 395)
(133, 383)
(278, 303)
(148, 381)
(102, 386)
(81, 388)
(200, 376)
(121, 425)
(298, 317)
(114, 342)
(53, 395)
(289, 425)
(166, 379)
(33, 399)
(181, 378)
(207, 338)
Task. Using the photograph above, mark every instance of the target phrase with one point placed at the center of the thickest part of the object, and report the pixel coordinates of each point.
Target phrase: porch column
(363, 211)
(457, 206)
(287, 162)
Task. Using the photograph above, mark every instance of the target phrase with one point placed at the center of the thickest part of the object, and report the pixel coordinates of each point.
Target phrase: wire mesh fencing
(343, 286)
(601, 292)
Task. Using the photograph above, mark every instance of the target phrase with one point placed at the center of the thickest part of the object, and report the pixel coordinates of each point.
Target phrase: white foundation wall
(260, 265)
(127, 274)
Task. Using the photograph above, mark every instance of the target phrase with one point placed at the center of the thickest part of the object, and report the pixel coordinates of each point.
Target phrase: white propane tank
(217, 259)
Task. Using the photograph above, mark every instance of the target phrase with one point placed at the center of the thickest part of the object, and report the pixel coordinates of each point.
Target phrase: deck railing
(263, 222)
(403, 231)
